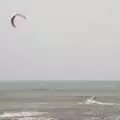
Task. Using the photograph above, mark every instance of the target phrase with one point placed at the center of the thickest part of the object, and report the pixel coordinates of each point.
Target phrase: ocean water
(60, 100)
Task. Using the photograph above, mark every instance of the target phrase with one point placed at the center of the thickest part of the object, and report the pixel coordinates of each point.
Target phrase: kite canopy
(13, 18)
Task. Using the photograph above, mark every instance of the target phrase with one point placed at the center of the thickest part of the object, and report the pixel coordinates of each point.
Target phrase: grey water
(61, 100)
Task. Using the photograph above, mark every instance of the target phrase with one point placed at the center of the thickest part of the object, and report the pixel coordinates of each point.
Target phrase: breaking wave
(92, 100)
(26, 116)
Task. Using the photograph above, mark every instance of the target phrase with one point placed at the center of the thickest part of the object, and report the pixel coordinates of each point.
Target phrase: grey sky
(61, 39)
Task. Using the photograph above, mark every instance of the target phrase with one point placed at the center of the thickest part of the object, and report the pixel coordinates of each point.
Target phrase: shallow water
(30, 101)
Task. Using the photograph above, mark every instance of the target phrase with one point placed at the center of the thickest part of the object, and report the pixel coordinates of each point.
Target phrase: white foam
(21, 114)
(92, 101)
(27, 116)
(34, 118)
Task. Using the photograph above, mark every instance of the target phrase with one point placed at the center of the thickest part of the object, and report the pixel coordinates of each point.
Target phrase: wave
(21, 114)
(92, 100)
(34, 118)
(27, 116)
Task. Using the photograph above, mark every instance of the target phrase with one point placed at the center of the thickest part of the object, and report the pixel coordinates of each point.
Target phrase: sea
(59, 100)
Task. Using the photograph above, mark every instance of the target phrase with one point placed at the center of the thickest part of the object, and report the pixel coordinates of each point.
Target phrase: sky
(60, 40)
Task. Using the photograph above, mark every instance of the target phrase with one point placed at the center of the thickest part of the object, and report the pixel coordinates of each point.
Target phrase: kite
(13, 19)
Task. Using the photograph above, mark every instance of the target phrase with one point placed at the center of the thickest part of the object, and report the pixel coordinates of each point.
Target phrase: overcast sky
(60, 40)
